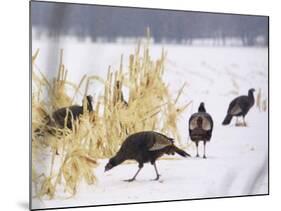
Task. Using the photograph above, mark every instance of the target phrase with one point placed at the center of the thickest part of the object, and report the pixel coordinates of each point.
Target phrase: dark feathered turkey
(200, 127)
(240, 106)
(72, 113)
(146, 146)
(58, 117)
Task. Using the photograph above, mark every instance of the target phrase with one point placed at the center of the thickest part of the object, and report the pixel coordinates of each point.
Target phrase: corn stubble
(100, 133)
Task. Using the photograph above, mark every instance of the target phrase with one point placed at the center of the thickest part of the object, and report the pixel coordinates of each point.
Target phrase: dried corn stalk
(261, 102)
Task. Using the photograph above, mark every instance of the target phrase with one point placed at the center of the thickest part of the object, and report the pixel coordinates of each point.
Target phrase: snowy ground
(237, 156)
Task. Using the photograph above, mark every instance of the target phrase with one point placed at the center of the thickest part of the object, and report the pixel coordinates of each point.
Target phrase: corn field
(72, 155)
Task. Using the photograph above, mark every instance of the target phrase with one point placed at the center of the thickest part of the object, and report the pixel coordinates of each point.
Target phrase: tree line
(58, 19)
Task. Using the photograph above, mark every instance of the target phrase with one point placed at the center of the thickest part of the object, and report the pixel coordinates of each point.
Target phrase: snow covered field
(237, 156)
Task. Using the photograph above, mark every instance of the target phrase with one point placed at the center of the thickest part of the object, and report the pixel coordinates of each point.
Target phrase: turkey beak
(107, 167)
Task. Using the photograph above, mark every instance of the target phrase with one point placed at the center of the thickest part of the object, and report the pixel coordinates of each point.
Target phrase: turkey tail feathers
(227, 119)
(180, 152)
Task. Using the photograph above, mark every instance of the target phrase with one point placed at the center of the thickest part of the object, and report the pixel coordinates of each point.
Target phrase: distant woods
(112, 23)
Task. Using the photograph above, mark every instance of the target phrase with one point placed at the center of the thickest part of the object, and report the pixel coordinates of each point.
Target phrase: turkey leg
(157, 174)
(136, 174)
(204, 156)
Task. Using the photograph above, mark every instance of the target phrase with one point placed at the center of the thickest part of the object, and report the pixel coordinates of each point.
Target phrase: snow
(237, 157)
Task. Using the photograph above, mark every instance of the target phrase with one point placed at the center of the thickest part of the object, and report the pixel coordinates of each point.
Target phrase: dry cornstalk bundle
(73, 163)
(261, 102)
(73, 153)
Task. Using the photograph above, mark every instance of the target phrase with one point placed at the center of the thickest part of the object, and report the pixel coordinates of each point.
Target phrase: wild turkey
(118, 96)
(58, 117)
(74, 113)
(240, 106)
(146, 146)
(200, 127)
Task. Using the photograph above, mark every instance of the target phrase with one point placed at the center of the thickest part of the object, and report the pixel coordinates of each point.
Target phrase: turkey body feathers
(200, 127)
(146, 146)
(200, 131)
(72, 113)
(64, 115)
(240, 106)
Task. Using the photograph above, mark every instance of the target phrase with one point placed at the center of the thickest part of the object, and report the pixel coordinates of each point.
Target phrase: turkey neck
(201, 108)
(118, 158)
(89, 105)
(251, 96)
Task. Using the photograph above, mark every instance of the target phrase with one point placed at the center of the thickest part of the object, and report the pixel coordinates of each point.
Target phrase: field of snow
(237, 156)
